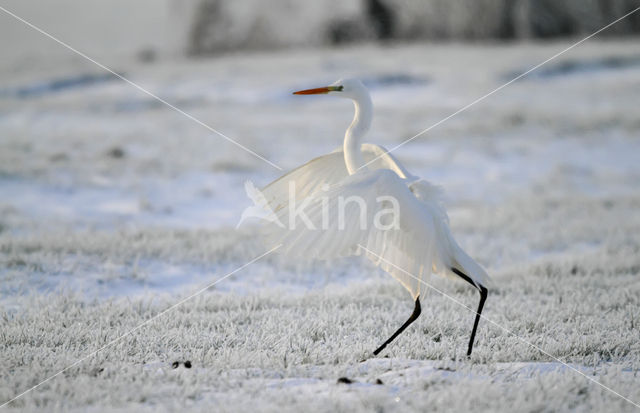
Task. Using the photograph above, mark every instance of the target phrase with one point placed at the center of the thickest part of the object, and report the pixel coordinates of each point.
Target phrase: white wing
(327, 222)
(325, 171)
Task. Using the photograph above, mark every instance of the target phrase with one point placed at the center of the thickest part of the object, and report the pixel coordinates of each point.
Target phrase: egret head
(347, 88)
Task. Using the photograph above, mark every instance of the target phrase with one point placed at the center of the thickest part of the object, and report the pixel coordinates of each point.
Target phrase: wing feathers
(420, 242)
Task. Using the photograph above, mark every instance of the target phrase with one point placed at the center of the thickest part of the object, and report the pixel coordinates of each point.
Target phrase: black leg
(414, 316)
(483, 297)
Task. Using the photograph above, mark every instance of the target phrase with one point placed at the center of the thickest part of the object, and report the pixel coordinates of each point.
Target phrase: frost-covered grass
(113, 208)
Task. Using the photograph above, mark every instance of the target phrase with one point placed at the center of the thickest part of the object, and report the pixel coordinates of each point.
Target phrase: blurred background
(150, 28)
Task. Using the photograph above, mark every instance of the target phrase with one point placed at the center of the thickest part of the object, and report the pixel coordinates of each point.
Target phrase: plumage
(359, 200)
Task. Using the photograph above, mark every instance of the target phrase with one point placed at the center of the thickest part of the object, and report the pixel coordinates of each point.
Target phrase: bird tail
(464, 263)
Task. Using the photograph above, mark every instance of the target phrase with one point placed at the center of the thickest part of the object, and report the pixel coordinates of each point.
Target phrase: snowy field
(113, 207)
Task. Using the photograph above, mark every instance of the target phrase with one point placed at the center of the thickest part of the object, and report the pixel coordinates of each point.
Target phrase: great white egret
(420, 243)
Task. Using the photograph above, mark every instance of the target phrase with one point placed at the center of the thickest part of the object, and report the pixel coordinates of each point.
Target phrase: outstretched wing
(375, 209)
(325, 171)
(421, 243)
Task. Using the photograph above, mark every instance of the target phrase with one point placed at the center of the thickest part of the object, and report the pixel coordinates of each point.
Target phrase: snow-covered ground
(113, 207)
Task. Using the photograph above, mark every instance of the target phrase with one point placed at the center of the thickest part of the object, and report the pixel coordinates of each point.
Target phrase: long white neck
(358, 128)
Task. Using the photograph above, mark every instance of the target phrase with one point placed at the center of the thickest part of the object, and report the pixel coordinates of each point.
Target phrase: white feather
(419, 245)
